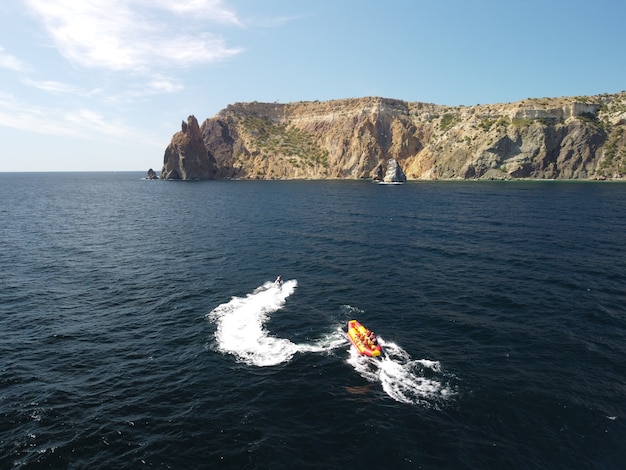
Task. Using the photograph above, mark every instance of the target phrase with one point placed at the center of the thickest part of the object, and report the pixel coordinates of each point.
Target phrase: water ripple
(500, 306)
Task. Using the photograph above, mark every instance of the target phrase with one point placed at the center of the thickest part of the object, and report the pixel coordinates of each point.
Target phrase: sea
(140, 325)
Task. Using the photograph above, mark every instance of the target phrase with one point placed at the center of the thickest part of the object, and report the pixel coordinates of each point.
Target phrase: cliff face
(560, 138)
(186, 157)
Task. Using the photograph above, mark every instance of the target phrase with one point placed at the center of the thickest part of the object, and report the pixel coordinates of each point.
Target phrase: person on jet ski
(279, 281)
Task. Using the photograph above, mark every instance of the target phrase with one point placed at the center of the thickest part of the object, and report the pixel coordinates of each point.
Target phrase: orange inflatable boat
(363, 339)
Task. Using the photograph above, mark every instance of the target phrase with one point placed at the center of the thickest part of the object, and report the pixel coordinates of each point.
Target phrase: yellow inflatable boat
(363, 339)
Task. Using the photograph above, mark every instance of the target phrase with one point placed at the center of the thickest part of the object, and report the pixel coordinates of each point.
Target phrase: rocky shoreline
(571, 138)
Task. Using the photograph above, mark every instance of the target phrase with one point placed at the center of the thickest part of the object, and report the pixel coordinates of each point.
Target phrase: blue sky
(93, 85)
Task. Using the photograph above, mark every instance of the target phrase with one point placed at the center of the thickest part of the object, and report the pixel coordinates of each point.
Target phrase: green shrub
(486, 124)
(448, 120)
(522, 122)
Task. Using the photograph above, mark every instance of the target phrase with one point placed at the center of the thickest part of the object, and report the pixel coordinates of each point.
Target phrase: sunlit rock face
(394, 173)
(548, 138)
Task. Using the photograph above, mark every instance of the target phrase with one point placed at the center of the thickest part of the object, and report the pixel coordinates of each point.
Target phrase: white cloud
(164, 85)
(188, 50)
(275, 22)
(82, 123)
(7, 61)
(89, 121)
(141, 89)
(123, 35)
(205, 9)
(58, 87)
(31, 119)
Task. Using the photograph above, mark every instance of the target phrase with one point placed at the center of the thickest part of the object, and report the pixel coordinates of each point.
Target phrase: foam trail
(334, 340)
(403, 379)
(240, 326)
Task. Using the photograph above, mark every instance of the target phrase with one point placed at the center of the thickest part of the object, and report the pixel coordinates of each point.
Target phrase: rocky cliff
(548, 138)
(186, 156)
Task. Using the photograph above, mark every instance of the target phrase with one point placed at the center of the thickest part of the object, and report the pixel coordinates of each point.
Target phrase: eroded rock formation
(389, 172)
(186, 157)
(560, 138)
(394, 173)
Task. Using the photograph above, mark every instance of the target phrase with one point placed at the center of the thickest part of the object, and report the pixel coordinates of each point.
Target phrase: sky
(94, 85)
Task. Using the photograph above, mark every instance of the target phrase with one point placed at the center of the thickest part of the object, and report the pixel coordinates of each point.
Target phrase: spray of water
(241, 332)
(241, 326)
(415, 382)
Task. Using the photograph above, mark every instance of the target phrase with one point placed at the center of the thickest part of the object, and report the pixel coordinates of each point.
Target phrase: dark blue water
(139, 326)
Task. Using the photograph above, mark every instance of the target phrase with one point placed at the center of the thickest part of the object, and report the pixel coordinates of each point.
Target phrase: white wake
(241, 328)
(241, 332)
(415, 382)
